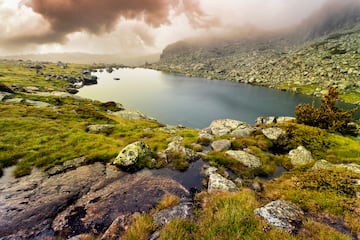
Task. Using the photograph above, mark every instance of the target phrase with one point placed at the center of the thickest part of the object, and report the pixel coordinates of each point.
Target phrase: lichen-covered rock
(206, 134)
(176, 147)
(183, 210)
(300, 156)
(273, 133)
(245, 158)
(132, 153)
(219, 183)
(282, 214)
(221, 145)
(323, 164)
(227, 126)
(39, 104)
(118, 227)
(100, 128)
(132, 115)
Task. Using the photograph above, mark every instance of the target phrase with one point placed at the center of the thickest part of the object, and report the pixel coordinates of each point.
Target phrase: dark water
(192, 102)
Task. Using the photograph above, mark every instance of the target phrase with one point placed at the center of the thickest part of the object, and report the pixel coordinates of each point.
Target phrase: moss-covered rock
(132, 154)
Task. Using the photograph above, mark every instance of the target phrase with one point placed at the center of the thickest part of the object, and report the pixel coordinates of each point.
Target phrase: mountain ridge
(306, 59)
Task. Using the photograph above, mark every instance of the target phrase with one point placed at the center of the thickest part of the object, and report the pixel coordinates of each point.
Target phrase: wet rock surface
(85, 200)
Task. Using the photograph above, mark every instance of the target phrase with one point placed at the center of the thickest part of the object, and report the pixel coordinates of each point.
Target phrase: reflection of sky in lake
(193, 102)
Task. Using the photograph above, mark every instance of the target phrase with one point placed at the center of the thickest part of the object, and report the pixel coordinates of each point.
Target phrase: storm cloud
(94, 16)
(65, 25)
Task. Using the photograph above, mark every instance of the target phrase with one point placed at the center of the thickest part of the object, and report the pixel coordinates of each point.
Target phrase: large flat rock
(85, 200)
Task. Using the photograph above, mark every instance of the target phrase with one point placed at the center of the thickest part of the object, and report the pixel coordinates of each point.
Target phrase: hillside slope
(324, 49)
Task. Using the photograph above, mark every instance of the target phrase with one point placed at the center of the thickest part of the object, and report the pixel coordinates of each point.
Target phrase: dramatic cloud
(94, 16)
(139, 26)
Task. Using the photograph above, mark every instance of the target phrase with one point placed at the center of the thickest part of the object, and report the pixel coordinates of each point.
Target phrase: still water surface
(192, 102)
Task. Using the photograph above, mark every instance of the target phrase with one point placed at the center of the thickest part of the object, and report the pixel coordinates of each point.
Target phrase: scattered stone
(256, 186)
(300, 156)
(112, 106)
(208, 170)
(116, 78)
(132, 115)
(285, 119)
(183, 210)
(72, 90)
(219, 183)
(132, 153)
(4, 88)
(100, 128)
(265, 120)
(170, 129)
(273, 133)
(227, 126)
(36, 103)
(14, 100)
(282, 214)
(271, 119)
(89, 80)
(55, 94)
(245, 158)
(31, 89)
(62, 65)
(206, 134)
(323, 164)
(4, 96)
(175, 147)
(221, 145)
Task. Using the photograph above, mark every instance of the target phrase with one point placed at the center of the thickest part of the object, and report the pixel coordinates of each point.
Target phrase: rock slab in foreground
(85, 200)
(282, 214)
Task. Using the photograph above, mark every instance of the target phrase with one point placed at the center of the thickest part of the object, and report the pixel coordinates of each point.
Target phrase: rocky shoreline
(101, 195)
(77, 198)
(309, 68)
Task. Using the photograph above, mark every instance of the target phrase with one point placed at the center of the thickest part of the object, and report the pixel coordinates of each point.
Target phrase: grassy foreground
(45, 137)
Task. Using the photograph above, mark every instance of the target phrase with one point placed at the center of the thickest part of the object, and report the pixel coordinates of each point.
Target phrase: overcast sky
(133, 27)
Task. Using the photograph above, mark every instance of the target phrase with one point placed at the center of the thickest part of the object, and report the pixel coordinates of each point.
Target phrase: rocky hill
(323, 50)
